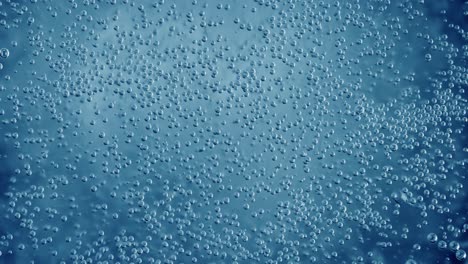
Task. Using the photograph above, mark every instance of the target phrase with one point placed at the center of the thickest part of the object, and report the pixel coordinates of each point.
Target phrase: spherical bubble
(442, 244)
(428, 57)
(4, 53)
(454, 246)
(432, 237)
(460, 254)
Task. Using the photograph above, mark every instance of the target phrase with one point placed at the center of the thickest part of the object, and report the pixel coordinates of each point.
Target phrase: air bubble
(460, 255)
(4, 53)
(432, 238)
(454, 246)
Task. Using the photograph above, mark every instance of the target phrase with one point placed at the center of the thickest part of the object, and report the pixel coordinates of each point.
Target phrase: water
(233, 131)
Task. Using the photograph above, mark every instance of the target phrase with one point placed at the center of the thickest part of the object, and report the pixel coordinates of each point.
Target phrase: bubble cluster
(264, 131)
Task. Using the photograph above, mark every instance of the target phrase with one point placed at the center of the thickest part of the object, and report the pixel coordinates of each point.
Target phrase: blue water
(243, 131)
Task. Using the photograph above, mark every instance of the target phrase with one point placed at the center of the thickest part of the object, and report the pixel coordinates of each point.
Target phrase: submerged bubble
(4, 53)
(460, 255)
(432, 237)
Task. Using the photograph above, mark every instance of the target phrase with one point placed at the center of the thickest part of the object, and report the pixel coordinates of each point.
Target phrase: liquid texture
(233, 131)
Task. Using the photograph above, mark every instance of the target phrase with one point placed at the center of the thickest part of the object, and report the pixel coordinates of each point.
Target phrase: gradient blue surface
(240, 131)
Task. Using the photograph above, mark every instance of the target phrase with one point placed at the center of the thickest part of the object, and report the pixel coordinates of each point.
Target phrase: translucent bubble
(4, 53)
(442, 244)
(432, 238)
(460, 254)
(454, 246)
(428, 57)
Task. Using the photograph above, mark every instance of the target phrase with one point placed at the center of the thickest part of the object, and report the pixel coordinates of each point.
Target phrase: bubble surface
(263, 131)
